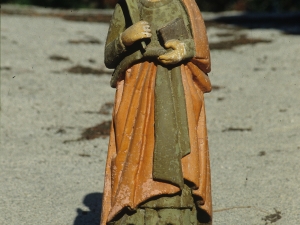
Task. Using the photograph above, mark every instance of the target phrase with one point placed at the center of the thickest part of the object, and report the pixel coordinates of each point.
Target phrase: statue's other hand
(136, 32)
(174, 56)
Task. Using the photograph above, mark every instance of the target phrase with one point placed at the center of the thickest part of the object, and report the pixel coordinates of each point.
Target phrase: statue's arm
(120, 37)
(114, 48)
(189, 42)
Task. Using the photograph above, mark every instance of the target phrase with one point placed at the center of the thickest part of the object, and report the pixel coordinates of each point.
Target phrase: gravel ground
(51, 171)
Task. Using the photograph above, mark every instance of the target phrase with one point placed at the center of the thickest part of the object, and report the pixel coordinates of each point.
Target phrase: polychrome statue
(157, 169)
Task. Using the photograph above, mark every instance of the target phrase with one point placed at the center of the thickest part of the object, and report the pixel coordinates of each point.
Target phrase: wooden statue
(157, 169)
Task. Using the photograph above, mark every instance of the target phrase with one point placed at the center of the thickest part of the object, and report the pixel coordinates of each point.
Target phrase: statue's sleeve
(189, 42)
(114, 48)
(200, 64)
(202, 55)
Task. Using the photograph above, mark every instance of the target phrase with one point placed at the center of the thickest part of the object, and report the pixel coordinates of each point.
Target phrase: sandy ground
(51, 174)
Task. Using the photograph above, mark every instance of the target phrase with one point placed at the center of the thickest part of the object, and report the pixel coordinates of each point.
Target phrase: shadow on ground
(92, 217)
(286, 22)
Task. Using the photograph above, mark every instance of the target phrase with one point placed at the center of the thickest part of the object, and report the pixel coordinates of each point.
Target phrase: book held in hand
(175, 29)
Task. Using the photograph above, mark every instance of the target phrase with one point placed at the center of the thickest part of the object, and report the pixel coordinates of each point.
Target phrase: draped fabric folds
(128, 175)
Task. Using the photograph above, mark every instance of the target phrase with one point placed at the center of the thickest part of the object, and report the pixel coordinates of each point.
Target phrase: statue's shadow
(92, 217)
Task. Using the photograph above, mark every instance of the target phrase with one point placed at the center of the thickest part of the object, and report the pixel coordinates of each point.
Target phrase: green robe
(171, 126)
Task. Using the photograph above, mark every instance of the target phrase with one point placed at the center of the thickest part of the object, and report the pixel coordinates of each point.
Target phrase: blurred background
(212, 5)
(56, 105)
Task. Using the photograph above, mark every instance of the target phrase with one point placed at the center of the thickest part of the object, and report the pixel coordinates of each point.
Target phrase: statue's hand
(174, 56)
(136, 32)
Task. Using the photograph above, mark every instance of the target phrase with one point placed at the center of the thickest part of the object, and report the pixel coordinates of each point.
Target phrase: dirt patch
(272, 218)
(63, 14)
(89, 41)
(257, 69)
(59, 58)
(239, 40)
(61, 131)
(100, 130)
(100, 18)
(87, 70)
(106, 108)
(211, 23)
(262, 153)
(216, 87)
(5, 68)
(84, 155)
(90, 133)
(287, 22)
(224, 34)
(237, 129)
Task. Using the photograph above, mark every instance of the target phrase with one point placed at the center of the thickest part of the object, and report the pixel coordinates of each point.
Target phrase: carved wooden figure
(157, 169)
